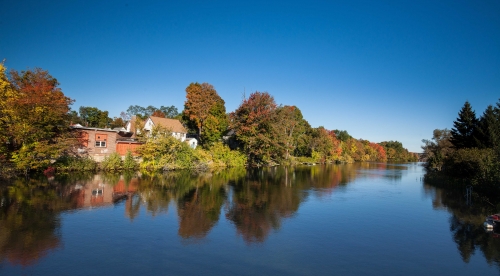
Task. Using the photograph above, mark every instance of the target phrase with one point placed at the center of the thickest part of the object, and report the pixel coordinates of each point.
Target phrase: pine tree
(464, 128)
(488, 129)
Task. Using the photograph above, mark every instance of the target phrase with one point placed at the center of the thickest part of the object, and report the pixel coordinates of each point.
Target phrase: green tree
(488, 129)
(169, 111)
(216, 123)
(321, 143)
(291, 126)
(464, 128)
(202, 103)
(94, 117)
(342, 135)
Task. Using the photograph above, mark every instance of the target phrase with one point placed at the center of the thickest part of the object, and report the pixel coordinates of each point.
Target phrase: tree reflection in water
(29, 221)
(255, 201)
(466, 223)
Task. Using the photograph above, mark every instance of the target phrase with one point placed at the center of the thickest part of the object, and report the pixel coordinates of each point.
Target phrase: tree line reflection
(255, 201)
(466, 222)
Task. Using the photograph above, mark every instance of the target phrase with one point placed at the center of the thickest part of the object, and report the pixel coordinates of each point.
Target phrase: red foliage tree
(253, 122)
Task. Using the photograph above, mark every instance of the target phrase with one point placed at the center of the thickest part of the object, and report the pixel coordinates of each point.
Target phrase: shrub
(129, 163)
(112, 162)
(223, 156)
(75, 163)
(478, 165)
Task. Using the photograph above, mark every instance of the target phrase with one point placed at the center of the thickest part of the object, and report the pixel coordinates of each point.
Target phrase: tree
(290, 127)
(342, 135)
(38, 119)
(322, 143)
(158, 113)
(94, 117)
(464, 128)
(135, 110)
(488, 129)
(396, 152)
(303, 140)
(169, 111)
(199, 105)
(253, 123)
(437, 149)
(216, 123)
(144, 112)
(7, 96)
(117, 122)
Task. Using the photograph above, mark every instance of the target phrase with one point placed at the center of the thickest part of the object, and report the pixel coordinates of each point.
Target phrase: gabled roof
(170, 124)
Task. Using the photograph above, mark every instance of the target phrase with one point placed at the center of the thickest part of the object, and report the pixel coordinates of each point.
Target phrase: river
(354, 219)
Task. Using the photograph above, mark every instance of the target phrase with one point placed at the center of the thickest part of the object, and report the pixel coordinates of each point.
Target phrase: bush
(477, 165)
(75, 163)
(164, 152)
(223, 156)
(129, 163)
(113, 162)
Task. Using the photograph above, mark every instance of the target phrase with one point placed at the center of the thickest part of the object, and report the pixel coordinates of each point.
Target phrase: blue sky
(382, 70)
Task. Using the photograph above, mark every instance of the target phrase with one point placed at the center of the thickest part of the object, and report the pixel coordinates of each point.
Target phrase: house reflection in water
(100, 192)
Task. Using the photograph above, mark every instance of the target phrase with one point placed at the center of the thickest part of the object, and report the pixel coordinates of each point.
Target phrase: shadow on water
(468, 214)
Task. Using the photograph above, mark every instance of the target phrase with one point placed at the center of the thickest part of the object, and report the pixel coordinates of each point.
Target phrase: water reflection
(466, 223)
(29, 221)
(256, 202)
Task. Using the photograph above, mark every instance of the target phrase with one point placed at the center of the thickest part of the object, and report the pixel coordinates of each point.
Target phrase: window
(100, 144)
(100, 140)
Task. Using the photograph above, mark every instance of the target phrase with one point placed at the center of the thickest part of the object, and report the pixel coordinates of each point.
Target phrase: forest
(35, 118)
(469, 153)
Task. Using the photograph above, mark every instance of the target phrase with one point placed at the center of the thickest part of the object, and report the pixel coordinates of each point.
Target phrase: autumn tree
(396, 152)
(253, 123)
(158, 113)
(322, 143)
(378, 151)
(202, 104)
(37, 113)
(7, 97)
(462, 133)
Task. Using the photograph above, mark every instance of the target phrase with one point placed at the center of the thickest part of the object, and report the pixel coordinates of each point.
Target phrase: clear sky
(382, 70)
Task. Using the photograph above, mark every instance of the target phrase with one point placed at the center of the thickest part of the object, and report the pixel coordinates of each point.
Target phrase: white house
(173, 125)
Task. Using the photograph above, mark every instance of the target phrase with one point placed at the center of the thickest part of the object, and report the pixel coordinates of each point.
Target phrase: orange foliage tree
(202, 104)
(38, 119)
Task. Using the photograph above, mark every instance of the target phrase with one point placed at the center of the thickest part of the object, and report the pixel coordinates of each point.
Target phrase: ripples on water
(363, 218)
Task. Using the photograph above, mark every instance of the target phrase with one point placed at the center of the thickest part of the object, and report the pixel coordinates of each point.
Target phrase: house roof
(170, 124)
(121, 132)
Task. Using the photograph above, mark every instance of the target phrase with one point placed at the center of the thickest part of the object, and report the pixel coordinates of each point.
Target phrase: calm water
(360, 219)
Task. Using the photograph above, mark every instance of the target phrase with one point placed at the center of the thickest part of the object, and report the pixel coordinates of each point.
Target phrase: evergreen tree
(488, 129)
(464, 128)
